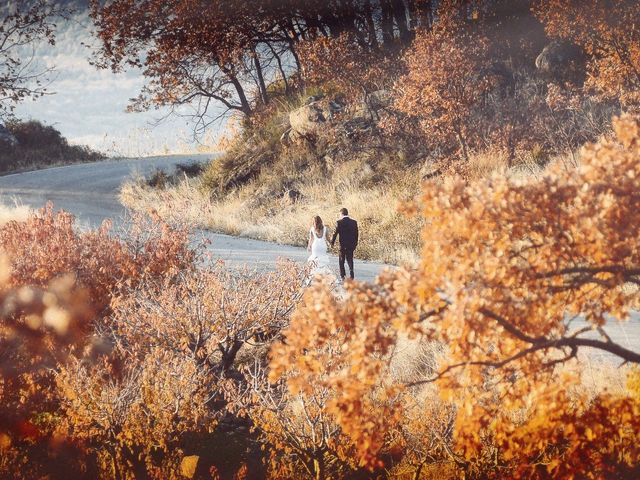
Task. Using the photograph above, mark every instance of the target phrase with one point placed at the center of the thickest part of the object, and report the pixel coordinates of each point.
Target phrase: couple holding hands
(346, 232)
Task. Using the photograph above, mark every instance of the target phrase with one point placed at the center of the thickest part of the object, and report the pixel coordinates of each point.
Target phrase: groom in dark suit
(347, 230)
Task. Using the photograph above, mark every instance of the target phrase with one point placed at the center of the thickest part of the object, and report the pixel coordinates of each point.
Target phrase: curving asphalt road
(90, 190)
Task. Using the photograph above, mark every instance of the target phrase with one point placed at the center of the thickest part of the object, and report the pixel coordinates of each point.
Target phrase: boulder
(561, 61)
(307, 120)
(379, 99)
(7, 137)
(367, 110)
(292, 195)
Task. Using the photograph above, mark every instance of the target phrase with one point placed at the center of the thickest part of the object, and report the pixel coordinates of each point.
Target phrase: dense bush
(119, 353)
(56, 288)
(40, 145)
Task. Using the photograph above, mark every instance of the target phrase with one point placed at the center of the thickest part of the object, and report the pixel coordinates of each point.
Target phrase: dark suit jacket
(347, 231)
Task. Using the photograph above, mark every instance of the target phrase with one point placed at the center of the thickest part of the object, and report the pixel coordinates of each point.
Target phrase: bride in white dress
(318, 246)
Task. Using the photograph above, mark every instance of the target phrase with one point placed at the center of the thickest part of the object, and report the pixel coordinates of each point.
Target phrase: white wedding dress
(319, 259)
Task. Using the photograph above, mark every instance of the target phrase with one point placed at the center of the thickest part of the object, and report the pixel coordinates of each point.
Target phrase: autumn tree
(445, 85)
(56, 286)
(22, 25)
(605, 30)
(179, 342)
(299, 433)
(221, 56)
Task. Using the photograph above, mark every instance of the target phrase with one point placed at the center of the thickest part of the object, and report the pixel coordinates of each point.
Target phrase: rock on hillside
(307, 120)
(562, 61)
(311, 118)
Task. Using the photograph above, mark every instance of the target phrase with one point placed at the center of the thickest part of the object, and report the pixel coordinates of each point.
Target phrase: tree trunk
(281, 69)
(421, 14)
(290, 31)
(411, 10)
(315, 24)
(463, 144)
(246, 107)
(264, 96)
(400, 17)
(229, 356)
(296, 58)
(293, 36)
(318, 469)
(387, 23)
(418, 472)
(371, 26)
(333, 23)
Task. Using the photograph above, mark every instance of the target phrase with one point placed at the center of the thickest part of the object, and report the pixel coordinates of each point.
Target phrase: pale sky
(89, 105)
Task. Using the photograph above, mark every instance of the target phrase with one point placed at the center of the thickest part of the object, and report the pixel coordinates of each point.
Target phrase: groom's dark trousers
(348, 256)
(347, 231)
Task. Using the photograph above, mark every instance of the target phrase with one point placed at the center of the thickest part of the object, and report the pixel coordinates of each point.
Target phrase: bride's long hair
(318, 225)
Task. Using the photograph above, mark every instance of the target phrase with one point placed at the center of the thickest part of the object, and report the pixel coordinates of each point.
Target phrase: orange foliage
(344, 63)
(49, 244)
(56, 286)
(605, 30)
(177, 341)
(444, 83)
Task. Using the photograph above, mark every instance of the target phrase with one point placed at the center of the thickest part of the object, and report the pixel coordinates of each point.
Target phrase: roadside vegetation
(29, 145)
(126, 357)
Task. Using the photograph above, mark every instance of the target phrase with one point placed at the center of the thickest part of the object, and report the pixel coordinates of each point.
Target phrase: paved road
(90, 192)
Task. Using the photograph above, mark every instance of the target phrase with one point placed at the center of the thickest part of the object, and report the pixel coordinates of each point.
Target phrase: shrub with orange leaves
(517, 277)
(179, 343)
(445, 84)
(56, 285)
(48, 244)
(300, 406)
(345, 64)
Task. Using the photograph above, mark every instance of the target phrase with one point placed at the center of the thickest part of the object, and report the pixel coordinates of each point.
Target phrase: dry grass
(10, 213)
(528, 164)
(386, 235)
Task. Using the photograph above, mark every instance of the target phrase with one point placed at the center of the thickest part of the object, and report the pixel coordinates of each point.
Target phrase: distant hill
(31, 144)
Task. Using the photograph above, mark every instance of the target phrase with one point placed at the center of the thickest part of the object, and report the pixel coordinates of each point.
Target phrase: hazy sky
(88, 106)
